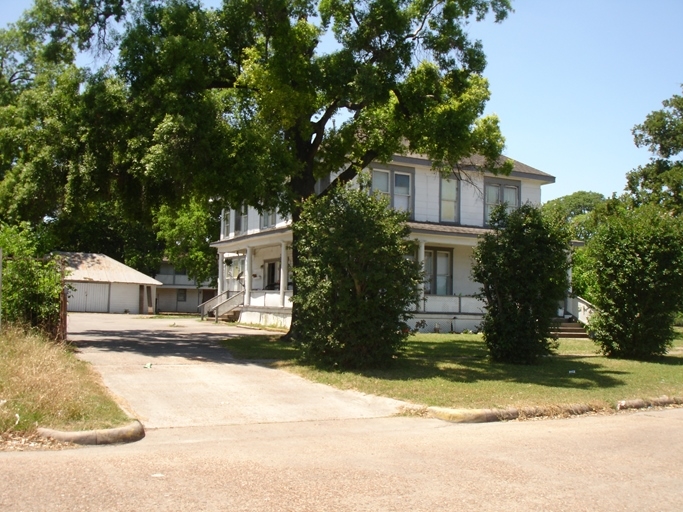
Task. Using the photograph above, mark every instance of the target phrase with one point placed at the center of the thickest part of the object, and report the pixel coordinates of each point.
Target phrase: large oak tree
(253, 101)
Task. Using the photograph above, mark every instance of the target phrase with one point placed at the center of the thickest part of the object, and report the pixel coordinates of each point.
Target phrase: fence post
(0, 288)
(62, 303)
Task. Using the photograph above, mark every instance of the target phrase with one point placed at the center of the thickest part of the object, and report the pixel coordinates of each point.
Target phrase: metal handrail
(205, 307)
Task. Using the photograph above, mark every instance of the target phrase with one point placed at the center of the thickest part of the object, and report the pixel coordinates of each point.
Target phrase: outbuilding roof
(100, 268)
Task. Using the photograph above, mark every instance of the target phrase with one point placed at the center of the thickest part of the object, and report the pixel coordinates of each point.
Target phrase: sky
(569, 79)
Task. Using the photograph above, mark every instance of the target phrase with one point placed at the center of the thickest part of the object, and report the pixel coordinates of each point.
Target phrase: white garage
(100, 284)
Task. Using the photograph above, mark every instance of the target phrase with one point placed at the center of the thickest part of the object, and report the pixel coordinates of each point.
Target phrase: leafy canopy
(250, 102)
(636, 262)
(661, 180)
(522, 267)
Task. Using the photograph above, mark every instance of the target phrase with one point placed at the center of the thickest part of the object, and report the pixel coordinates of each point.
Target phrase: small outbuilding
(100, 284)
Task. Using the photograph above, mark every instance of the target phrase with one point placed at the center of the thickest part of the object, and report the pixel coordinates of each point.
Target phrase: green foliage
(187, 233)
(582, 272)
(356, 286)
(522, 267)
(574, 210)
(102, 227)
(636, 258)
(30, 286)
(661, 180)
(242, 103)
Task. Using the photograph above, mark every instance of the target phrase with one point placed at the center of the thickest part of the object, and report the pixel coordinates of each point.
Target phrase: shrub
(522, 266)
(30, 286)
(355, 285)
(637, 283)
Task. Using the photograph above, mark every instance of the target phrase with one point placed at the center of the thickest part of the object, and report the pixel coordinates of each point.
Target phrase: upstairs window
(268, 219)
(380, 183)
(225, 222)
(241, 219)
(500, 192)
(450, 212)
(396, 186)
(402, 192)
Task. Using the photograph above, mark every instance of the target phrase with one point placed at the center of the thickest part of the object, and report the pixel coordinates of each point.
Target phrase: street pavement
(348, 452)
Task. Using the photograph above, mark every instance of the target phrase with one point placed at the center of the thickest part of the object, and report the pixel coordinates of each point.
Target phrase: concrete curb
(127, 434)
(489, 415)
(653, 402)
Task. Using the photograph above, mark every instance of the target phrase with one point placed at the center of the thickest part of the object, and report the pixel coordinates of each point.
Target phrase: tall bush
(355, 285)
(31, 286)
(522, 267)
(636, 258)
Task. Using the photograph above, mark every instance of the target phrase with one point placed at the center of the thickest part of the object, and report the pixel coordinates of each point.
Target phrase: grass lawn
(452, 370)
(42, 384)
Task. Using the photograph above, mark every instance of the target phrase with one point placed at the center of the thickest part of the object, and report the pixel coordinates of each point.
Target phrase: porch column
(569, 302)
(421, 261)
(283, 273)
(247, 277)
(221, 271)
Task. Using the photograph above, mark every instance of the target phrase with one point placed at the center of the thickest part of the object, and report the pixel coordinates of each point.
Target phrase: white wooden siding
(167, 300)
(462, 268)
(125, 298)
(432, 196)
(472, 203)
(531, 193)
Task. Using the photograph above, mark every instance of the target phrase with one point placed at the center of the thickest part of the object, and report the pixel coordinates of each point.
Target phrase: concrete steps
(570, 329)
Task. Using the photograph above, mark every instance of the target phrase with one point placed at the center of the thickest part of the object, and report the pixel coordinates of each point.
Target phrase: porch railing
(206, 306)
(451, 304)
(584, 310)
(270, 299)
(228, 305)
(210, 305)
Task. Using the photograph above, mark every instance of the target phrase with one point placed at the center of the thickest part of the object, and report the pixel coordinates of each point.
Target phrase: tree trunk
(302, 187)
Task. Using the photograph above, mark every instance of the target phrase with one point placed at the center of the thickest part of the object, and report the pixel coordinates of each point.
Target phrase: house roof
(519, 169)
(429, 227)
(100, 268)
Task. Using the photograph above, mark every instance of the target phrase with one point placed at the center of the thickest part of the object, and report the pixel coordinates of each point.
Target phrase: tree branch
(419, 29)
(321, 123)
(403, 108)
(352, 170)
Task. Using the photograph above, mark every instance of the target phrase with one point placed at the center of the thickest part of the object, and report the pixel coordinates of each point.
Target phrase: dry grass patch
(42, 384)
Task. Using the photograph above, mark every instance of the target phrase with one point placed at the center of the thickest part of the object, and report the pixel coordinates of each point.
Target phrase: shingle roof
(428, 227)
(93, 267)
(518, 168)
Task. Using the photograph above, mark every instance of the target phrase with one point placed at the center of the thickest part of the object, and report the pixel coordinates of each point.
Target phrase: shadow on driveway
(158, 343)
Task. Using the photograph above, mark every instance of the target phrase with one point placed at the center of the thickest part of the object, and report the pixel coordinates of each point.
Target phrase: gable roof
(100, 268)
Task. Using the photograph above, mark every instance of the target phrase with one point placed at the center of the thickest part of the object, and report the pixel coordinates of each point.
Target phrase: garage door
(89, 297)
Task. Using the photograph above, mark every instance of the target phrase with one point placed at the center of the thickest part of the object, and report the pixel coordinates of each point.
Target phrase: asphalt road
(630, 461)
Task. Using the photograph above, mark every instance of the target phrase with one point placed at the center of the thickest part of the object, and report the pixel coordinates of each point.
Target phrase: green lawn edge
(454, 371)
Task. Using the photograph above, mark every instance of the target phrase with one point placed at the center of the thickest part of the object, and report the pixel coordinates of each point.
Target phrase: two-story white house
(446, 217)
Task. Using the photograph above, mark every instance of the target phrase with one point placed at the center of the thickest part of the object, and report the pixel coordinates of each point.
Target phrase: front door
(272, 276)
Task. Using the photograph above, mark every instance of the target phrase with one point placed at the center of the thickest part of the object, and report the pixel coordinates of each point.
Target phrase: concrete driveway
(171, 372)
